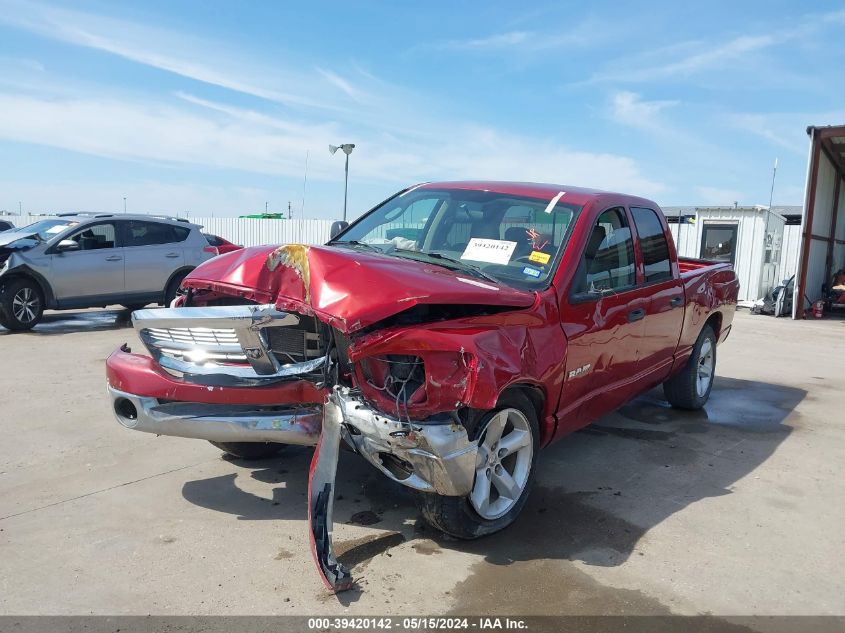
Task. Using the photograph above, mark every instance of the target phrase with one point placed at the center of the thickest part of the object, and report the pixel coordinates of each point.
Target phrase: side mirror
(338, 227)
(67, 245)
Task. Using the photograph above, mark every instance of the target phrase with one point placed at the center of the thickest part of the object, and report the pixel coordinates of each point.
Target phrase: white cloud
(175, 52)
(695, 56)
(500, 40)
(715, 196)
(629, 108)
(187, 130)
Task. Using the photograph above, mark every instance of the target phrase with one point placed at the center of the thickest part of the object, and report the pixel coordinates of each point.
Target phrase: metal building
(822, 249)
(750, 238)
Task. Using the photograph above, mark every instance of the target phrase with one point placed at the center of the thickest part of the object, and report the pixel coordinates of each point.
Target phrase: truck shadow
(598, 491)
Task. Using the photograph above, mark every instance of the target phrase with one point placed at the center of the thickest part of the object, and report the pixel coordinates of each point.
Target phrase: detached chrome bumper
(218, 422)
(429, 457)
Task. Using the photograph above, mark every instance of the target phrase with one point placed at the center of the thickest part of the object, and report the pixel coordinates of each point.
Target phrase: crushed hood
(349, 289)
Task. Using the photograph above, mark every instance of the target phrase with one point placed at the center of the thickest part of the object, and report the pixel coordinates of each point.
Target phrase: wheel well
(715, 322)
(43, 287)
(537, 397)
(181, 271)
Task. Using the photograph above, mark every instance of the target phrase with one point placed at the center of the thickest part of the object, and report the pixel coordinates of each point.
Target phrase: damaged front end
(285, 346)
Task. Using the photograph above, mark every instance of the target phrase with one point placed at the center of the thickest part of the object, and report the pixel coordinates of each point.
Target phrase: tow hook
(321, 492)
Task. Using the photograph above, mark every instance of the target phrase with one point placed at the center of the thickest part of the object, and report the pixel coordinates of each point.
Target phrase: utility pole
(19, 209)
(290, 215)
(265, 207)
(124, 204)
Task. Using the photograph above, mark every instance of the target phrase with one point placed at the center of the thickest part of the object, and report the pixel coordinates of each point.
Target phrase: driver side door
(94, 272)
(603, 322)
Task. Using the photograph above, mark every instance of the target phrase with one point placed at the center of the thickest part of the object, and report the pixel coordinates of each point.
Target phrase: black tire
(173, 287)
(249, 450)
(457, 516)
(22, 305)
(133, 306)
(683, 390)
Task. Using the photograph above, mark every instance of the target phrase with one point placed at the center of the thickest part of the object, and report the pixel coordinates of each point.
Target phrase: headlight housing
(399, 377)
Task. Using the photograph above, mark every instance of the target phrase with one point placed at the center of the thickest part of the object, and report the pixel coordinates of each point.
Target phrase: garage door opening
(822, 249)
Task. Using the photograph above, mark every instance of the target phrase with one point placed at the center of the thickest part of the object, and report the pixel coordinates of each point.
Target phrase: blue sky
(211, 107)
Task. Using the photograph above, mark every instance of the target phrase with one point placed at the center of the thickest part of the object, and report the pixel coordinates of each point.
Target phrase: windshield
(44, 230)
(511, 239)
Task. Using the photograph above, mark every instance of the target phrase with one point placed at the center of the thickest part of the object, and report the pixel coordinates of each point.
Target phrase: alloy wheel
(505, 451)
(25, 305)
(704, 375)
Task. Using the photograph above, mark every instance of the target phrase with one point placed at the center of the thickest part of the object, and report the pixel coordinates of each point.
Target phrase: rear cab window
(654, 246)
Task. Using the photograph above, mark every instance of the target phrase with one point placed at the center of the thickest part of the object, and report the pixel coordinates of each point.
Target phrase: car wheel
(249, 450)
(508, 441)
(22, 305)
(690, 389)
(173, 287)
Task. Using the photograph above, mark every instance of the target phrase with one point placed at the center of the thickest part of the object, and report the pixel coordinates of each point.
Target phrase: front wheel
(690, 388)
(508, 442)
(22, 305)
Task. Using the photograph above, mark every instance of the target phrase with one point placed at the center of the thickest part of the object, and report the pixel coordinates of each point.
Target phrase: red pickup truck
(446, 336)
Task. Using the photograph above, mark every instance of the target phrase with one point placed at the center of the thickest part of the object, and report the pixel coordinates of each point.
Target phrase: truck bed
(689, 265)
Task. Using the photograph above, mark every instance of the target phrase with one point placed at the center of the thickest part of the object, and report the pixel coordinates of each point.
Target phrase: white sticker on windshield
(57, 229)
(490, 251)
(554, 201)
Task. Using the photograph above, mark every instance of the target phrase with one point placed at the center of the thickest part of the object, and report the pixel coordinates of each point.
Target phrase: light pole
(20, 212)
(347, 149)
(124, 204)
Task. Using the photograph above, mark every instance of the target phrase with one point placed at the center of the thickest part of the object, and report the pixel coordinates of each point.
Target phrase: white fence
(254, 231)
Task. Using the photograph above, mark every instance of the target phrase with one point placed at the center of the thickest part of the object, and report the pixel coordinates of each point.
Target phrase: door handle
(172, 255)
(113, 258)
(676, 301)
(636, 315)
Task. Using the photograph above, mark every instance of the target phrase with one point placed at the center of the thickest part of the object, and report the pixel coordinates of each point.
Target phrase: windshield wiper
(355, 243)
(457, 263)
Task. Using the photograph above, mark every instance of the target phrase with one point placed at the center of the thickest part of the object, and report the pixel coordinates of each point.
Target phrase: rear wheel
(173, 287)
(508, 442)
(22, 305)
(249, 450)
(690, 389)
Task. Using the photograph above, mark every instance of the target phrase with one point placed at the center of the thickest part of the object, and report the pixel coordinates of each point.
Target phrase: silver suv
(87, 261)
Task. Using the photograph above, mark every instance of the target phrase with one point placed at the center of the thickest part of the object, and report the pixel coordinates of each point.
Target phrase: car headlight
(399, 377)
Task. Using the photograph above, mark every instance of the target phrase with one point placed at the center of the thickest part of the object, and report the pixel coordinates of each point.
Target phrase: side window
(653, 244)
(140, 233)
(94, 237)
(608, 260)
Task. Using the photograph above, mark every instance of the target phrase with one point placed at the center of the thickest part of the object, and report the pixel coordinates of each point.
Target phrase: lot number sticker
(490, 251)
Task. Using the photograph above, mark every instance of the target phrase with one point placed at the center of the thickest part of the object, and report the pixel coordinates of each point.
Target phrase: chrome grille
(236, 345)
(198, 343)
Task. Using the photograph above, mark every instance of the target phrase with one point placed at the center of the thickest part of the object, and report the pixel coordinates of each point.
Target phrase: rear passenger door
(665, 303)
(154, 251)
